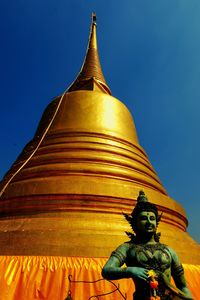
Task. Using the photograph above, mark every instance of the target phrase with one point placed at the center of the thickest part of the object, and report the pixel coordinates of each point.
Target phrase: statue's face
(146, 222)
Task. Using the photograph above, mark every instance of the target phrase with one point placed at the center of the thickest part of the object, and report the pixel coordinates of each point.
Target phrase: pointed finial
(93, 35)
(91, 76)
(94, 18)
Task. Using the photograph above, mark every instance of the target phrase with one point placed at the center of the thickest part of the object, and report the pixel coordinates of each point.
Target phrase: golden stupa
(66, 192)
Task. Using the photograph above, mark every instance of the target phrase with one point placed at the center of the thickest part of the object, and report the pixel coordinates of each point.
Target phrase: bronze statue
(148, 262)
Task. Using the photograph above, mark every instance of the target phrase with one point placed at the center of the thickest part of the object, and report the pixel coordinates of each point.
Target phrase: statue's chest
(155, 257)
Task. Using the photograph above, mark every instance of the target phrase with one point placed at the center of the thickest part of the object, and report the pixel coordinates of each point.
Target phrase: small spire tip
(94, 18)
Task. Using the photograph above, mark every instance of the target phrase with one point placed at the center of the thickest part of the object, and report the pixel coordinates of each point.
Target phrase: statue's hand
(138, 273)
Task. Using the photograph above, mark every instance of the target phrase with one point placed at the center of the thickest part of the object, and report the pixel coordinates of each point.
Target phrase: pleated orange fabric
(38, 277)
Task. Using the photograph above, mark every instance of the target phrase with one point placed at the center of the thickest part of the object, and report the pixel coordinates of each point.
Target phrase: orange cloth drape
(37, 277)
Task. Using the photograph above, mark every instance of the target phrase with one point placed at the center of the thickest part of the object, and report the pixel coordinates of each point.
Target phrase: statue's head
(144, 217)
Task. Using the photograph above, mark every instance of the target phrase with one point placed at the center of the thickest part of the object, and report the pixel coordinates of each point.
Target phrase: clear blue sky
(150, 56)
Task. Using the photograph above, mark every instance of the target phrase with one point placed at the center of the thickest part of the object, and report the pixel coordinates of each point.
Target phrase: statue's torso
(152, 257)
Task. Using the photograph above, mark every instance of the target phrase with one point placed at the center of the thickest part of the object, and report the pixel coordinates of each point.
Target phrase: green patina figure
(149, 263)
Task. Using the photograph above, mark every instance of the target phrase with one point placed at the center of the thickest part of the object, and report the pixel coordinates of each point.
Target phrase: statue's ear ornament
(160, 217)
(127, 217)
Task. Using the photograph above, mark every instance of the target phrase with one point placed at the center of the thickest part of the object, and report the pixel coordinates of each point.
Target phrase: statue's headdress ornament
(142, 197)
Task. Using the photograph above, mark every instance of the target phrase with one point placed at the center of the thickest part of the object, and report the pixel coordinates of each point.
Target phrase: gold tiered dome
(66, 192)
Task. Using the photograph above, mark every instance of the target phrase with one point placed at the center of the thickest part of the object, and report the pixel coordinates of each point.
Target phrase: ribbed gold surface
(69, 198)
(94, 134)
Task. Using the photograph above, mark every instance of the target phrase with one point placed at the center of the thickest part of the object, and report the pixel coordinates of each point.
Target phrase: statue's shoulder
(130, 245)
(125, 246)
(166, 247)
(173, 254)
(121, 253)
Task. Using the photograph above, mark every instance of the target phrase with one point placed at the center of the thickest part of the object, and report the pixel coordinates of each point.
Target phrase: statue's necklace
(152, 256)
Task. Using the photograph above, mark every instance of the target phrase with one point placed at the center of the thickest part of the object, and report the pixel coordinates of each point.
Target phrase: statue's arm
(113, 268)
(177, 272)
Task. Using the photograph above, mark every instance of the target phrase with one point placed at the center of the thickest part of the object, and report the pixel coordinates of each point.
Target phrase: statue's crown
(142, 197)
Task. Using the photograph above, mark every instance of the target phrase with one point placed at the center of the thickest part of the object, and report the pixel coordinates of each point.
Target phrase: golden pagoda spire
(91, 76)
